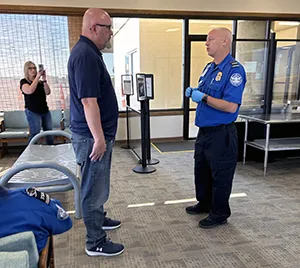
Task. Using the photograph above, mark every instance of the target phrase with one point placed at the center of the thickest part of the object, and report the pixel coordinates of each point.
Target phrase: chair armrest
(19, 242)
(14, 259)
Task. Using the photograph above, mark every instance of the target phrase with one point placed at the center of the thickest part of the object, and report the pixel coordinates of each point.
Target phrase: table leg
(266, 148)
(245, 142)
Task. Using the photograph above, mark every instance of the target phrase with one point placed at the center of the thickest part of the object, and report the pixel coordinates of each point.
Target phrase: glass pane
(151, 46)
(287, 72)
(193, 130)
(204, 26)
(250, 29)
(41, 39)
(199, 59)
(253, 56)
(286, 29)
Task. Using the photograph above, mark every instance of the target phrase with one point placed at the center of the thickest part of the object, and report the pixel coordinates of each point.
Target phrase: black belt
(215, 128)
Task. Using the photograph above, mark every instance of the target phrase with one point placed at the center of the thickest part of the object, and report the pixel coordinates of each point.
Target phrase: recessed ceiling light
(172, 30)
(290, 23)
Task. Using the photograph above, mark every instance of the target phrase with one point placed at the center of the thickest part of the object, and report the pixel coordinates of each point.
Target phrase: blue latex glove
(188, 91)
(197, 96)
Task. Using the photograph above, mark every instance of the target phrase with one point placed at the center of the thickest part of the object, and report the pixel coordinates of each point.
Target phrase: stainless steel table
(267, 144)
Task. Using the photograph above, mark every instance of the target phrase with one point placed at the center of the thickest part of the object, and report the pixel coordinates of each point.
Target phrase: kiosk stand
(145, 92)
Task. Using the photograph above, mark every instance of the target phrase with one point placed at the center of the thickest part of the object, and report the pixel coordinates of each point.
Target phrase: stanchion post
(148, 135)
(127, 145)
(144, 114)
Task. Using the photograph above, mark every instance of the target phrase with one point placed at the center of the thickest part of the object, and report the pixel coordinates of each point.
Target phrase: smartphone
(41, 67)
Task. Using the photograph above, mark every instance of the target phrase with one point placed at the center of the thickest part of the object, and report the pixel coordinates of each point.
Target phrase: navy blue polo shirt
(89, 78)
(223, 81)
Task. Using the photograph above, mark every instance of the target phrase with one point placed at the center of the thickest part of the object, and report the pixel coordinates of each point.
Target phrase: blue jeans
(95, 184)
(35, 121)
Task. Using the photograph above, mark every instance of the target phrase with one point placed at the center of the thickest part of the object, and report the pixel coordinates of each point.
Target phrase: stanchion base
(152, 161)
(125, 146)
(145, 170)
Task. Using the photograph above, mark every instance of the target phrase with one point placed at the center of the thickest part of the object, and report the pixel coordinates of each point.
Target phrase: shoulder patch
(31, 191)
(61, 213)
(236, 79)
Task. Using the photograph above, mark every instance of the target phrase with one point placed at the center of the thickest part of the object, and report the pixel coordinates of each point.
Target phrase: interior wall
(161, 54)
(275, 6)
(74, 26)
(126, 40)
(172, 127)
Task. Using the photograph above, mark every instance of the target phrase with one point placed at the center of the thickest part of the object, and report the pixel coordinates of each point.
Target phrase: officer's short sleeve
(87, 76)
(234, 88)
(56, 220)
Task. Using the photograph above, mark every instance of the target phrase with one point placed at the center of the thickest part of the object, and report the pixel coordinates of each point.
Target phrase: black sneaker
(110, 224)
(196, 209)
(107, 248)
(210, 223)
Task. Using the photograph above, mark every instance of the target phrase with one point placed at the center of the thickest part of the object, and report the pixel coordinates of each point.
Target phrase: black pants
(215, 162)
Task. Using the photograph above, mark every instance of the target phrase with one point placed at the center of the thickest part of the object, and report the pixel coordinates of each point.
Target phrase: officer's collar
(222, 64)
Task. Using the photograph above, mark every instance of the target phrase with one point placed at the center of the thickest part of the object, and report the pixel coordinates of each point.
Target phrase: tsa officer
(31, 210)
(219, 96)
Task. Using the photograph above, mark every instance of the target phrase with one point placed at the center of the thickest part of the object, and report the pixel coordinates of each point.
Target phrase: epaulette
(234, 63)
(31, 191)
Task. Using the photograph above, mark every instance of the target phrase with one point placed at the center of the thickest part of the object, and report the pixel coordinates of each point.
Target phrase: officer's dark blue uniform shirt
(89, 78)
(21, 212)
(225, 81)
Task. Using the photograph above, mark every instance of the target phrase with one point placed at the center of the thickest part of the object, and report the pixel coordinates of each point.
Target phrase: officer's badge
(236, 79)
(31, 191)
(61, 213)
(219, 76)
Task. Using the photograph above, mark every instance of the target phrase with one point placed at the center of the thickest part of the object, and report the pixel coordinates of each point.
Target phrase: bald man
(219, 96)
(94, 118)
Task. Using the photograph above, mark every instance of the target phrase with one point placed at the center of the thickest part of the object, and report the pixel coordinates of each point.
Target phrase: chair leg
(3, 149)
(51, 255)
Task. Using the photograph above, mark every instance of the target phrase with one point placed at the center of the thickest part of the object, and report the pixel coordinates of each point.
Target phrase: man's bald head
(93, 16)
(96, 25)
(224, 33)
(218, 43)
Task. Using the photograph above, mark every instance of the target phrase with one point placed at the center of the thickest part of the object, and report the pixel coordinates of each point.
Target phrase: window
(253, 56)
(286, 29)
(204, 26)
(41, 39)
(156, 45)
(287, 72)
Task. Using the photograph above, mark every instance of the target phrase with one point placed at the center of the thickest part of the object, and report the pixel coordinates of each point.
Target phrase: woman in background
(36, 108)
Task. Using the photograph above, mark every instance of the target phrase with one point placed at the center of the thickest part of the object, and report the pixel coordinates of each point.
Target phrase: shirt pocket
(215, 90)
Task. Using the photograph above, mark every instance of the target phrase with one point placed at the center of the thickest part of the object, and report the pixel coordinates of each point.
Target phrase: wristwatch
(204, 99)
